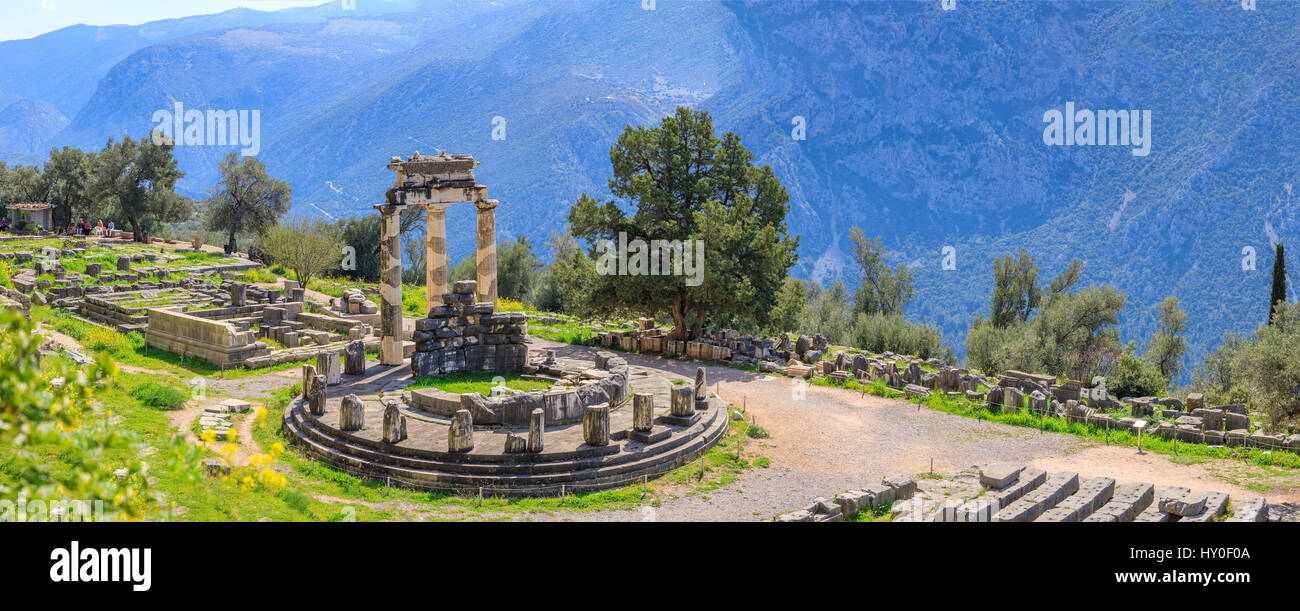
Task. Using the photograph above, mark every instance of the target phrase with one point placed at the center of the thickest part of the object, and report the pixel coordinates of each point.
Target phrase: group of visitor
(84, 228)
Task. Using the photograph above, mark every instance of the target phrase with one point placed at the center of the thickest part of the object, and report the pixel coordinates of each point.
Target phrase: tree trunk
(136, 234)
(679, 321)
(234, 248)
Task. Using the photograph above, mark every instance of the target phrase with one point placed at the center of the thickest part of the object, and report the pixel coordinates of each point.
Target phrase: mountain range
(920, 124)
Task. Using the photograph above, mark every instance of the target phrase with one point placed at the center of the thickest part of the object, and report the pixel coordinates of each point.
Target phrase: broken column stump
(683, 400)
(701, 390)
(354, 358)
(536, 429)
(595, 425)
(352, 414)
(643, 412)
(308, 375)
(460, 437)
(516, 444)
(316, 396)
(394, 424)
(330, 368)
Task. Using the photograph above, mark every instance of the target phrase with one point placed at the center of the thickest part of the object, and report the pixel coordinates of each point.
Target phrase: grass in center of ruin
(481, 383)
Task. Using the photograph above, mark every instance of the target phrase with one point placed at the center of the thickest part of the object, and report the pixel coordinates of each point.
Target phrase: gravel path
(831, 440)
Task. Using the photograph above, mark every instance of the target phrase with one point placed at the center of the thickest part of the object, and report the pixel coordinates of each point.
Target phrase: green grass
(566, 333)
(161, 396)
(1150, 443)
(477, 382)
(880, 513)
(314, 491)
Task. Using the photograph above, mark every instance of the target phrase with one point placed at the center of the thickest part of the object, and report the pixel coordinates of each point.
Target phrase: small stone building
(33, 213)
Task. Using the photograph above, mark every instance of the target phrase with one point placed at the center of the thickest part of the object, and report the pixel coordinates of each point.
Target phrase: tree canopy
(882, 291)
(308, 247)
(684, 184)
(135, 180)
(246, 199)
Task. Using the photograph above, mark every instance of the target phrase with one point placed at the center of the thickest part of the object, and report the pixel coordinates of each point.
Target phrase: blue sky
(28, 18)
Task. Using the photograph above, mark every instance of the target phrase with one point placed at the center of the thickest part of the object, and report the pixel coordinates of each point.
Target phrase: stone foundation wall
(461, 336)
(216, 342)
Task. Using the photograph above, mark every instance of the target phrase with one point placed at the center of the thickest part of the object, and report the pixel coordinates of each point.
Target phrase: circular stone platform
(565, 465)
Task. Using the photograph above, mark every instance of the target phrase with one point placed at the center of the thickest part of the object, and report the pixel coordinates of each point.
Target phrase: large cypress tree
(1279, 282)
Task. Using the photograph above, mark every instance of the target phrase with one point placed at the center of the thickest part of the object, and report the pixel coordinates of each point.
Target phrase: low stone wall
(513, 410)
(216, 342)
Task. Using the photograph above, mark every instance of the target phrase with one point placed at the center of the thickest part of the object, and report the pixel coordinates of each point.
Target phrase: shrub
(893, 333)
(1134, 377)
(991, 348)
(160, 396)
(99, 339)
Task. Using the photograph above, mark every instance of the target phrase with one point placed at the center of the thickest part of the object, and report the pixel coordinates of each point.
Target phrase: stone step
(1216, 504)
(1129, 501)
(1093, 494)
(491, 463)
(988, 504)
(1251, 510)
(1030, 479)
(1057, 488)
(1153, 514)
(514, 478)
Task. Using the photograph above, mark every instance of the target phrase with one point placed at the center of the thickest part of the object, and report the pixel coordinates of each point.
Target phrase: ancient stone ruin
(435, 182)
(1003, 492)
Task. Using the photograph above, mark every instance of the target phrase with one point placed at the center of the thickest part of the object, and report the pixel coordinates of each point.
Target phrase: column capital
(486, 204)
(389, 208)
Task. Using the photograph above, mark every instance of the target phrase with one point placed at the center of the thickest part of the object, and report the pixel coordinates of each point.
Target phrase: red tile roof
(30, 206)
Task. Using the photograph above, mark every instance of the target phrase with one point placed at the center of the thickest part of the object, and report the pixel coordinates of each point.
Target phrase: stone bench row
(891, 489)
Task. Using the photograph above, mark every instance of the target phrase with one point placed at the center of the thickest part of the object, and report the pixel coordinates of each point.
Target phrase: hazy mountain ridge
(923, 125)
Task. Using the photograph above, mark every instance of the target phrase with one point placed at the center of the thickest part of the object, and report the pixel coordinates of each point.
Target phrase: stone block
(1251, 510)
(1211, 419)
(904, 486)
(999, 475)
(1216, 504)
(1181, 501)
(1234, 420)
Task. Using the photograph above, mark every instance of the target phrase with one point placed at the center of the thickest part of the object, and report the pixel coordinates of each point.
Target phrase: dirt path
(827, 440)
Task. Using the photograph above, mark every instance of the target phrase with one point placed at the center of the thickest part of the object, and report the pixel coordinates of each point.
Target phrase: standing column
(390, 284)
(435, 255)
(487, 251)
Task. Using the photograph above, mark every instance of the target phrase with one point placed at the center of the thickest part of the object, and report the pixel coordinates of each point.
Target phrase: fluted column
(390, 284)
(486, 256)
(435, 255)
